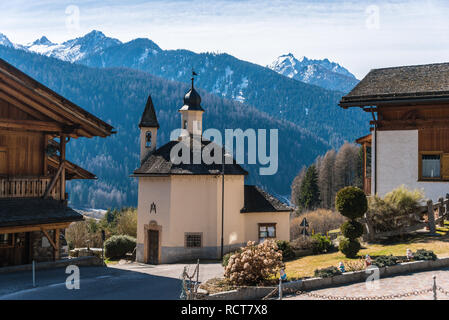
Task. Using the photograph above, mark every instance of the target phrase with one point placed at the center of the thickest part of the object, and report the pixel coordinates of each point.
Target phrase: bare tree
(326, 179)
(346, 166)
(296, 185)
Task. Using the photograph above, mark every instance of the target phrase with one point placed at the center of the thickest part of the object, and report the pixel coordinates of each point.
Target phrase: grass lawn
(305, 266)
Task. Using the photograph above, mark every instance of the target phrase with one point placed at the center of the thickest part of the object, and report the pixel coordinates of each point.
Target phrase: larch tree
(326, 179)
(296, 185)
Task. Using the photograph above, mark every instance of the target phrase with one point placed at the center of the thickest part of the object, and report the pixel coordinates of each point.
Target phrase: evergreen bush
(118, 246)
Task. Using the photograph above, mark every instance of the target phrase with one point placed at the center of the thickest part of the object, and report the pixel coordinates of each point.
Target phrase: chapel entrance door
(153, 246)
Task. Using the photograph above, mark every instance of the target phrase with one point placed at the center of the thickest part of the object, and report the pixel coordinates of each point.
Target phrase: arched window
(184, 126)
(148, 139)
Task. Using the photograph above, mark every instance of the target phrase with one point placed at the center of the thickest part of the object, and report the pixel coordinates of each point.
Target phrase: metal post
(280, 288)
(222, 201)
(34, 273)
(434, 287)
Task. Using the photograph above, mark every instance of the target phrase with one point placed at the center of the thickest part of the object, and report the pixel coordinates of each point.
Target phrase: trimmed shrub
(254, 264)
(321, 244)
(349, 247)
(422, 254)
(385, 261)
(286, 249)
(327, 272)
(351, 202)
(352, 229)
(118, 246)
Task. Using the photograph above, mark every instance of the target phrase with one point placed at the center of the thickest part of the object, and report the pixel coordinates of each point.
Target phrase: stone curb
(81, 261)
(255, 293)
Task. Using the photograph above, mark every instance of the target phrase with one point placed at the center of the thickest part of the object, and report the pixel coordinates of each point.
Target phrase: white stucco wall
(397, 163)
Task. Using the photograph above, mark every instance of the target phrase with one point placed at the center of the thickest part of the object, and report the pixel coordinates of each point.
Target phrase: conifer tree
(309, 194)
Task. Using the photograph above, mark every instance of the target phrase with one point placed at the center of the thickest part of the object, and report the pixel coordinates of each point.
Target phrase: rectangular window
(267, 231)
(193, 240)
(431, 165)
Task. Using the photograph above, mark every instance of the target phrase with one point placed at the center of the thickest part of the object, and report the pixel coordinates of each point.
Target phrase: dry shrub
(254, 264)
(79, 232)
(320, 221)
(127, 222)
(355, 265)
(398, 209)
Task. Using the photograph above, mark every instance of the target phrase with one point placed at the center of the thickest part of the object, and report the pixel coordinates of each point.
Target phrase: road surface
(126, 281)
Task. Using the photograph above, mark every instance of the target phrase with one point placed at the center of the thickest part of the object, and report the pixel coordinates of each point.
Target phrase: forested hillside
(118, 96)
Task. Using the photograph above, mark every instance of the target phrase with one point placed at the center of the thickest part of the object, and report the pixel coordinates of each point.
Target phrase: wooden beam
(37, 227)
(57, 253)
(62, 143)
(52, 184)
(25, 108)
(49, 238)
(30, 125)
(47, 104)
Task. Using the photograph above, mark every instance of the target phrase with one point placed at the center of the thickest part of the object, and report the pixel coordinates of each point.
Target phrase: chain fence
(289, 291)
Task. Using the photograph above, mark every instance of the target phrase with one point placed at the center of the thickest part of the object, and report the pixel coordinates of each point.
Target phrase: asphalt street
(122, 282)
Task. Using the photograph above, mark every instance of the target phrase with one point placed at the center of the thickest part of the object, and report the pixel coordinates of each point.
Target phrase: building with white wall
(409, 140)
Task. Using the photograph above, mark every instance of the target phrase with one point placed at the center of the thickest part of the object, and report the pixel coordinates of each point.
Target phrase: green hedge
(118, 246)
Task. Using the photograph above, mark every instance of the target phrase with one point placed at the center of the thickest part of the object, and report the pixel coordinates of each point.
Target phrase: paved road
(127, 281)
(392, 285)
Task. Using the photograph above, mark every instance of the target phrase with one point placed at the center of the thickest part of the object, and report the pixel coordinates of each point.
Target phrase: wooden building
(36, 126)
(410, 127)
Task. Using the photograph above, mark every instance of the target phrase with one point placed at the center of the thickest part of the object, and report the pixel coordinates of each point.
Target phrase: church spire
(149, 118)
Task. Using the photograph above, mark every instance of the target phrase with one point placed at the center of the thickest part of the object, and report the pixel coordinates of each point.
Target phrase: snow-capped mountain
(4, 41)
(75, 49)
(324, 73)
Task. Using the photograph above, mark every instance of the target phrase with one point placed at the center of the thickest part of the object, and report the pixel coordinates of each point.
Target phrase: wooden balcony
(27, 187)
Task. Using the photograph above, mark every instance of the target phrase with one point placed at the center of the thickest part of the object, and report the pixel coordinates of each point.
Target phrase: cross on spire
(193, 76)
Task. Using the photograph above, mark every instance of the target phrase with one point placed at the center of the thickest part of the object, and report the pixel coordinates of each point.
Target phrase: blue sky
(360, 35)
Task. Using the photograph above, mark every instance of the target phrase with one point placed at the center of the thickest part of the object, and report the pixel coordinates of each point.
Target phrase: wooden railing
(436, 214)
(27, 187)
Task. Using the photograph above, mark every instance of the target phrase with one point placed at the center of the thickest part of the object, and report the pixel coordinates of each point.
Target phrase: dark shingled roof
(417, 83)
(30, 211)
(149, 118)
(159, 163)
(258, 200)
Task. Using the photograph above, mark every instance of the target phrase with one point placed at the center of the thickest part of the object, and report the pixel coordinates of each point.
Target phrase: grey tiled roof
(159, 163)
(418, 82)
(258, 200)
(30, 211)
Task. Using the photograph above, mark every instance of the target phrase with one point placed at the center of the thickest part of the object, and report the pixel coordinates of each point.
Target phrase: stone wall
(41, 247)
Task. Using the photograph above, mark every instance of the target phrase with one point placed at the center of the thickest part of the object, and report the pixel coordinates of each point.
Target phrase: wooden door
(3, 161)
(153, 246)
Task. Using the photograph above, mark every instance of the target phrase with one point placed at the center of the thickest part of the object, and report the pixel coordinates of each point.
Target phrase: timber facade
(36, 126)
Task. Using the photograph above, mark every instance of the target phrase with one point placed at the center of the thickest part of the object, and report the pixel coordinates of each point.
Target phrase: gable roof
(30, 96)
(258, 200)
(28, 211)
(420, 83)
(149, 118)
(159, 163)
